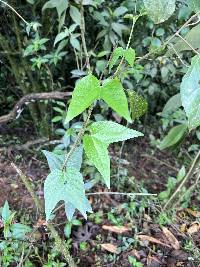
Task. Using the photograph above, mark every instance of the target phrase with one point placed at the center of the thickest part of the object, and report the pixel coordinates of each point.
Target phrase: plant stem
(59, 244)
(170, 39)
(127, 47)
(6, 4)
(120, 193)
(79, 137)
(190, 172)
(82, 27)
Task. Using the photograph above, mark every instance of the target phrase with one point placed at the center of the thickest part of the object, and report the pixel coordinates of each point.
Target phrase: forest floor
(122, 231)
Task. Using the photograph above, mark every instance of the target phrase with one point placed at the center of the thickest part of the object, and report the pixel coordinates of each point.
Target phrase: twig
(189, 189)
(127, 47)
(31, 98)
(121, 194)
(6, 4)
(29, 187)
(170, 39)
(190, 172)
(78, 139)
(187, 43)
(82, 27)
(160, 161)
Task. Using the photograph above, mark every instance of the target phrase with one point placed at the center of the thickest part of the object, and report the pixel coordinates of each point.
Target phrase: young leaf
(5, 212)
(129, 55)
(75, 15)
(19, 231)
(172, 104)
(190, 93)
(67, 186)
(138, 104)
(117, 53)
(86, 91)
(159, 10)
(109, 132)
(97, 152)
(173, 137)
(56, 161)
(113, 94)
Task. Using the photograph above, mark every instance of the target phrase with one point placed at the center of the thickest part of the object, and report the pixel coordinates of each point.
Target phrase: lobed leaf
(67, 186)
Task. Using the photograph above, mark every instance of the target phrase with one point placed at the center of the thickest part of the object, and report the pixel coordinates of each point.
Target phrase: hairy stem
(59, 244)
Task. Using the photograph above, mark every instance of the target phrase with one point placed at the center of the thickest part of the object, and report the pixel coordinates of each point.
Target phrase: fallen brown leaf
(152, 240)
(194, 213)
(116, 229)
(171, 238)
(194, 228)
(109, 247)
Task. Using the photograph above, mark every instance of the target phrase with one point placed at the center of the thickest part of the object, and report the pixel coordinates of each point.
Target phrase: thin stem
(82, 27)
(121, 194)
(187, 43)
(79, 137)
(59, 244)
(127, 47)
(170, 39)
(6, 4)
(190, 172)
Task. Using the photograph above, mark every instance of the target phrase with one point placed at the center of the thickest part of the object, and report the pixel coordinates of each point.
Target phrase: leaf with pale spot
(159, 10)
(113, 94)
(67, 186)
(86, 91)
(138, 104)
(190, 93)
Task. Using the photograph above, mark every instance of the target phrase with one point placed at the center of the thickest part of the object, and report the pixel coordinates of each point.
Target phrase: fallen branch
(27, 99)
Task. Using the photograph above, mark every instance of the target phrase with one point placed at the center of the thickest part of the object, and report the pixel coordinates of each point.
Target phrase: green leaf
(60, 5)
(138, 104)
(117, 53)
(113, 94)
(75, 15)
(19, 230)
(67, 186)
(159, 10)
(194, 5)
(68, 230)
(172, 104)
(97, 153)
(129, 55)
(174, 136)
(120, 11)
(56, 161)
(181, 174)
(86, 91)
(5, 212)
(190, 93)
(61, 36)
(109, 132)
(193, 37)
